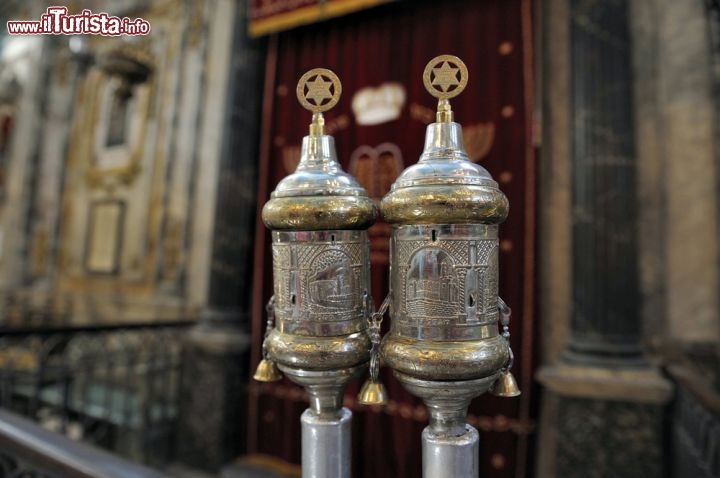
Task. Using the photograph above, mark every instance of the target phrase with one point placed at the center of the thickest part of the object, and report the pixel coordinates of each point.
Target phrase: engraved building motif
(332, 286)
(320, 282)
(446, 281)
(431, 283)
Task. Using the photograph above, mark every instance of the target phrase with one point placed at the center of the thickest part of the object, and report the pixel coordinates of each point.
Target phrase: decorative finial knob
(318, 90)
(445, 77)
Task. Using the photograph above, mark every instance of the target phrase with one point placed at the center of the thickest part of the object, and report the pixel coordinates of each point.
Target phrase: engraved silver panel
(444, 280)
(321, 278)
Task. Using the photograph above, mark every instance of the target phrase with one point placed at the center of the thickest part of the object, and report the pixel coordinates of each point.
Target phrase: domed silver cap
(319, 195)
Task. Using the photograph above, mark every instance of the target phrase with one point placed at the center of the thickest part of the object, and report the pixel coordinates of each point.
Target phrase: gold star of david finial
(319, 90)
(445, 77)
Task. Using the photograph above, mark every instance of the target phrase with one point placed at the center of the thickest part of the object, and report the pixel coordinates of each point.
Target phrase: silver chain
(374, 322)
(270, 311)
(505, 313)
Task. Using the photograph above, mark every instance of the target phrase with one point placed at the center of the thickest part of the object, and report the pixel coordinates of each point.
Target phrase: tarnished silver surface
(447, 401)
(444, 186)
(445, 281)
(444, 161)
(326, 445)
(321, 278)
(325, 388)
(318, 173)
(311, 352)
(319, 195)
(445, 360)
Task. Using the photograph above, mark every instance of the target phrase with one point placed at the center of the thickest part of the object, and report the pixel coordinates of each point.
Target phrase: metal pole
(326, 432)
(326, 444)
(444, 263)
(450, 447)
(450, 456)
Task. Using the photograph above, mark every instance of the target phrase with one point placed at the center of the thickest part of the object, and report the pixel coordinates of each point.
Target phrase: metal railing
(117, 388)
(29, 451)
(696, 426)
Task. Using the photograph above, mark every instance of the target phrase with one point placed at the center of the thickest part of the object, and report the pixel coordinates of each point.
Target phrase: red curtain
(379, 126)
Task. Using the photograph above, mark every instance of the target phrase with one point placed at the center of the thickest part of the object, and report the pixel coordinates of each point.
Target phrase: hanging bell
(505, 386)
(267, 371)
(373, 393)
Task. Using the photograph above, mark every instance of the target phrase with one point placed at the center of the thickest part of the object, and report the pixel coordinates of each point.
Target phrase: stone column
(603, 403)
(212, 429)
(605, 323)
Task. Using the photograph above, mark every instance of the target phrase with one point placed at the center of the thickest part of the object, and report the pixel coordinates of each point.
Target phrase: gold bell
(505, 386)
(267, 371)
(373, 393)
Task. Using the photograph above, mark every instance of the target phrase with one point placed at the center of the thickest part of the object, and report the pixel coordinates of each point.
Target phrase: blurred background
(134, 268)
